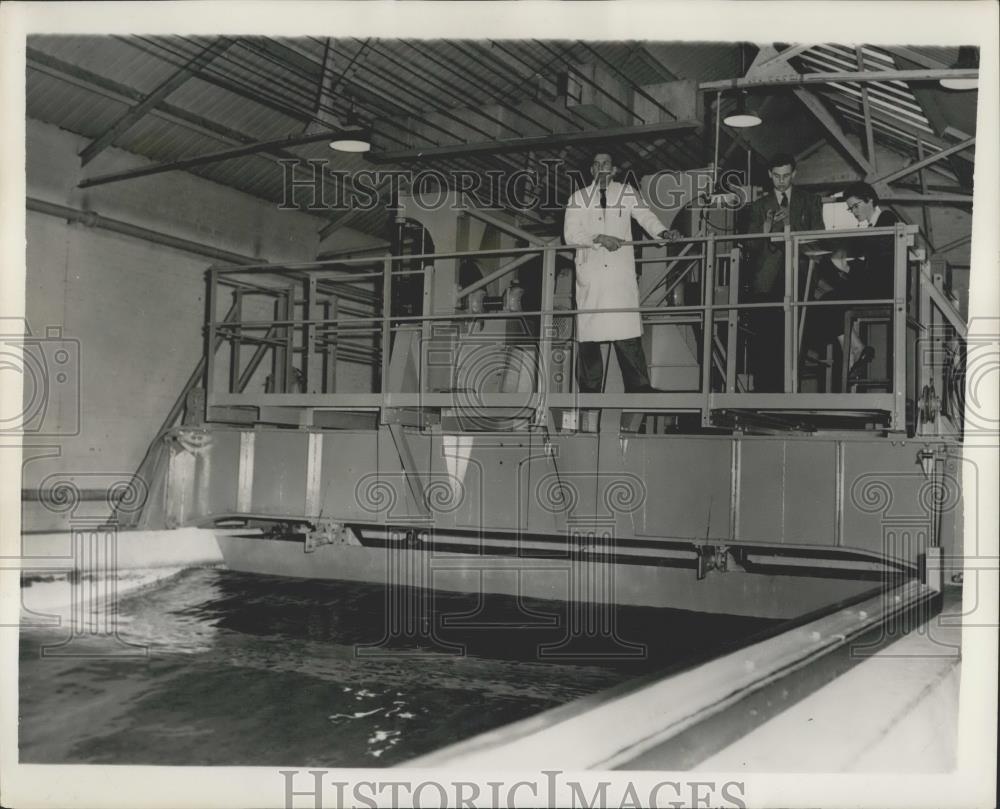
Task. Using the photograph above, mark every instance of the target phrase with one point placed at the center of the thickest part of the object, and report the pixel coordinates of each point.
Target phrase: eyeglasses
(855, 205)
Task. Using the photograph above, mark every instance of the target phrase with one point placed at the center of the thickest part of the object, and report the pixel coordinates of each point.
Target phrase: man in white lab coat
(600, 217)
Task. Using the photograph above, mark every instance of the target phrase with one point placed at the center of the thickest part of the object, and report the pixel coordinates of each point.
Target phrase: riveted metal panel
(500, 462)
(562, 485)
(761, 500)
(349, 464)
(891, 502)
(688, 486)
(279, 481)
(219, 475)
(810, 493)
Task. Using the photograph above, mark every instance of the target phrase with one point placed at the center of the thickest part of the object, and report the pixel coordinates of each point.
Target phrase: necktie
(782, 201)
(604, 199)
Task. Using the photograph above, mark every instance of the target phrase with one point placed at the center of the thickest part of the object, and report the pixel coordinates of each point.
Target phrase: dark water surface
(259, 670)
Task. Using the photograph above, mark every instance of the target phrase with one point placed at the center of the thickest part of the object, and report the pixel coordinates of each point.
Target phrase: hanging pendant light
(968, 58)
(744, 116)
(359, 144)
(359, 141)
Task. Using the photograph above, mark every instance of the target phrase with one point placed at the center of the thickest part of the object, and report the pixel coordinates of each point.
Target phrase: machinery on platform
(413, 420)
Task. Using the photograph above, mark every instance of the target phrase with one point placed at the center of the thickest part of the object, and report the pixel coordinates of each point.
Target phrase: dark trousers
(767, 350)
(631, 360)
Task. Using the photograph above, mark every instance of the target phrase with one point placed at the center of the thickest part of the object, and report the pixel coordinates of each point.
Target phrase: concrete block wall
(134, 308)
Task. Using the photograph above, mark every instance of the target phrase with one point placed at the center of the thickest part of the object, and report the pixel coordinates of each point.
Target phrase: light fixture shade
(744, 115)
(968, 58)
(742, 120)
(960, 84)
(350, 145)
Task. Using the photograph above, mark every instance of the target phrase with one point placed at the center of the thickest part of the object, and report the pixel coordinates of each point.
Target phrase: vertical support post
(314, 475)
(791, 290)
(330, 347)
(280, 344)
(902, 241)
(733, 319)
(930, 345)
(838, 513)
(426, 326)
(386, 320)
(244, 474)
(289, 340)
(312, 359)
(735, 484)
(926, 214)
(210, 337)
(547, 328)
(236, 342)
(708, 327)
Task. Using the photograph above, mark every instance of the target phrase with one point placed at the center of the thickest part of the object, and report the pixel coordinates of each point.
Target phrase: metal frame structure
(300, 329)
(362, 483)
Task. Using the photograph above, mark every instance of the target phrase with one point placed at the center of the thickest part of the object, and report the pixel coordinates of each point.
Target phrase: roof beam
(247, 92)
(934, 158)
(92, 82)
(822, 114)
(924, 210)
(347, 217)
(793, 79)
(506, 227)
(918, 134)
(553, 141)
(917, 58)
(101, 85)
(911, 196)
(947, 248)
(811, 149)
(326, 88)
(866, 110)
(778, 57)
(149, 102)
(215, 157)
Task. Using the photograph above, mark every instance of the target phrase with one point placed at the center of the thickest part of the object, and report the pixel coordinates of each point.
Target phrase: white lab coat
(606, 279)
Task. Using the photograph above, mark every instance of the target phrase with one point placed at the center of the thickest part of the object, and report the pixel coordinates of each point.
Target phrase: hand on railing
(609, 243)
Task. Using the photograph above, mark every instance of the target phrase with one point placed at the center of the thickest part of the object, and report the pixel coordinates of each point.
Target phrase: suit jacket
(765, 273)
(871, 271)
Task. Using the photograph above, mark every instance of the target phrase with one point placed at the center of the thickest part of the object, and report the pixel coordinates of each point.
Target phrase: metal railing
(333, 335)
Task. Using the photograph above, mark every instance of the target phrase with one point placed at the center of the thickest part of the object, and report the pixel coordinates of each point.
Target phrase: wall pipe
(96, 220)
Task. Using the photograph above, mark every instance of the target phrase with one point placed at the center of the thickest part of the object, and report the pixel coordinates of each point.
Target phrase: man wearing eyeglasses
(871, 271)
(598, 221)
(764, 277)
(869, 276)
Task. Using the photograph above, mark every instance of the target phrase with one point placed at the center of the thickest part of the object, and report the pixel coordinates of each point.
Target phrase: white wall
(135, 308)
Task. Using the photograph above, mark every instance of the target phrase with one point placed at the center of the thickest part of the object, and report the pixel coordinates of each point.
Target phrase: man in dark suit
(764, 278)
(869, 276)
(871, 273)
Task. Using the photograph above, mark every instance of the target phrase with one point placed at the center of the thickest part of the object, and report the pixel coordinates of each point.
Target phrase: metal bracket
(328, 532)
(712, 557)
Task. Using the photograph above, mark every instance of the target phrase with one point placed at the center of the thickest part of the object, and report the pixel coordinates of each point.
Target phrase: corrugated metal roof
(269, 88)
(241, 114)
(892, 98)
(107, 56)
(69, 106)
